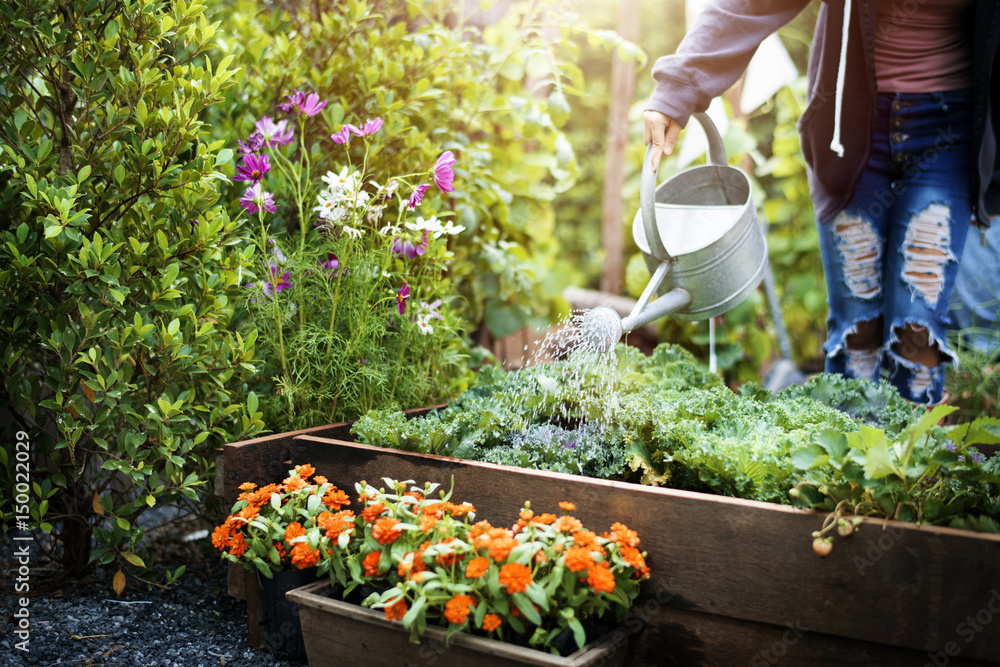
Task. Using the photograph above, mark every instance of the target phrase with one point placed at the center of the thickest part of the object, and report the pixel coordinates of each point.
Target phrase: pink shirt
(923, 46)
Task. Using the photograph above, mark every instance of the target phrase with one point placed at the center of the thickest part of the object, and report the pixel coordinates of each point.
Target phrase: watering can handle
(647, 190)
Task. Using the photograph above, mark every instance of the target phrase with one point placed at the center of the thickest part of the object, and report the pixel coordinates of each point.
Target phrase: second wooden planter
(736, 581)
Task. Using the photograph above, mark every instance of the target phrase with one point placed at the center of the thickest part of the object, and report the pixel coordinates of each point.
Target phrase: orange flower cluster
(458, 510)
(621, 534)
(304, 557)
(335, 524)
(386, 530)
(633, 557)
(334, 498)
(515, 577)
(370, 563)
(491, 622)
(578, 558)
(600, 578)
(372, 512)
(458, 608)
(477, 567)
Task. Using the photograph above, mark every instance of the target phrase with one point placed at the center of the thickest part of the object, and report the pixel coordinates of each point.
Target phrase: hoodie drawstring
(835, 144)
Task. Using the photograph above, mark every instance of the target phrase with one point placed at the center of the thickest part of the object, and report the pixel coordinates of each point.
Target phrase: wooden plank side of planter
(339, 633)
(695, 639)
(891, 583)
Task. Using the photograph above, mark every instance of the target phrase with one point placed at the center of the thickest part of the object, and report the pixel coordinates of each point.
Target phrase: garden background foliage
(119, 267)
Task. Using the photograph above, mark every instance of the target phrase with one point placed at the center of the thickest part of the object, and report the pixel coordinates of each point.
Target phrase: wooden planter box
(339, 633)
(736, 581)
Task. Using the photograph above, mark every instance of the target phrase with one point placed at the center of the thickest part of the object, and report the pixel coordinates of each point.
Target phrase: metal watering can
(699, 235)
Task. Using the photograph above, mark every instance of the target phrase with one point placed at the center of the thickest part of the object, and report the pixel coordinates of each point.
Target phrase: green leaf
(83, 174)
(523, 602)
(22, 232)
(579, 635)
(134, 560)
(225, 156)
(118, 296)
(879, 463)
(111, 30)
(252, 403)
(810, 457)
(119, 174)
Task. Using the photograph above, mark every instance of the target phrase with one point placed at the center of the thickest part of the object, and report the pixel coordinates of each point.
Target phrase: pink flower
(253, 168)
(402, 248)
(343, 136)
(311, 106)
(276, 283)
(255, 199)
(418, 195)
(331, 263)
(443, 175)
(401, 297)
(370, 127)
(275, 134)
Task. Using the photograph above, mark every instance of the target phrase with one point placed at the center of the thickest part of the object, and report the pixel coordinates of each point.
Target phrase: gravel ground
(194, 623)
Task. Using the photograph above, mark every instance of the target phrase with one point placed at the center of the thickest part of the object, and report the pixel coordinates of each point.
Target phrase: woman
(899, 138)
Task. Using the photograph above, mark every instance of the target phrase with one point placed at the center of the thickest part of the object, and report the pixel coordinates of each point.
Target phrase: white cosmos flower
(352, 232)
(424, 327)
(432, 225)
(449, 227)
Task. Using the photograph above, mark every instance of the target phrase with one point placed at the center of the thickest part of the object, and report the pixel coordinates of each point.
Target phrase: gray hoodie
(842, 87)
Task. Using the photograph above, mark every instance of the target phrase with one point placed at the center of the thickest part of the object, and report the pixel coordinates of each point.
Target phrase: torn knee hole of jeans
(861, 251)
(927, 250)
(862, 363)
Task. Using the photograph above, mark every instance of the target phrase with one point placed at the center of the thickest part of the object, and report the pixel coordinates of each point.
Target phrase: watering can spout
(602, 328)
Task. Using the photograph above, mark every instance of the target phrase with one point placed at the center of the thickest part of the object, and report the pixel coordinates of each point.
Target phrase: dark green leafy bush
(119, 267)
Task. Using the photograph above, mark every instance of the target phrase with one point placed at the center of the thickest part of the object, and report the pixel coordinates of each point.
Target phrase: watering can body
(699, 235)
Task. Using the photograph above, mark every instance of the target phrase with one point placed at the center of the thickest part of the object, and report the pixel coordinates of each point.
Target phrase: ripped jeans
(893, 251)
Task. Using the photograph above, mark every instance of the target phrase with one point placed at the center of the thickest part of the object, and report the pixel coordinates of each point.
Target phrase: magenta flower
(253, 168)
(295, 100)
(275, 134)
(370, 127)
(418, 195)
(401, 297)
(255, 199)
(276, 283)
(343, 136)
(253, 143)
(443, 175)
(311, 105)
(406, 249)
(331, 263)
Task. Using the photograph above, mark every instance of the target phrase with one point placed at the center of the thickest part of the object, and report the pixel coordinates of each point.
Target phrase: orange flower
(457, 510)
(304, 471)
(249, 512)
(294, 530)
(335, 524)
(515, 577)
(303, 556)
(239, 545)
(491, 622)
(578, 558)
(568, 524)
(541, 557)
(501, 546)
(600, 578)
(567, 506)
(477, 567)
(397, 610)
(222, 535)
(479, 528)
(280, 548)
(622, 535)
(293, 483)
(370, 563)
(319, 480)
(386, 530)
(545, 519)
(414, 493)
(457, 609)
(633, 557)
(335, 498)
(247, 486)
(588, 540)
(427, 522)
(372, 512)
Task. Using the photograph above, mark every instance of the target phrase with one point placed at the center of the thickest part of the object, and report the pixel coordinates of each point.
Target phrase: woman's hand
(662, 131)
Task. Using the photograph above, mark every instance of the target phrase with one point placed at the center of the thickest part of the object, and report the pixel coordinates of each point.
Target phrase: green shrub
(119, 266)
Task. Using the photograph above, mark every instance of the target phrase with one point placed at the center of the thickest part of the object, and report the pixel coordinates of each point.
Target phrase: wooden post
(622, 90)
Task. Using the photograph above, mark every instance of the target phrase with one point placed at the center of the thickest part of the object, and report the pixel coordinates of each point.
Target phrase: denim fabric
(894, 250)
(976, 300)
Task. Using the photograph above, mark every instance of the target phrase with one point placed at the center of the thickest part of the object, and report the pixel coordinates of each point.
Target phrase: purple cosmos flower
(402, 248)
(443, 175)
(418, 195)
(255, 199)
(331, 263)
(253, 168)
(295, 100)
(252, 144)
(370, 127)
(275, 134)
(311, 105)
(277, 283)
(401, 297)
(344, 135)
